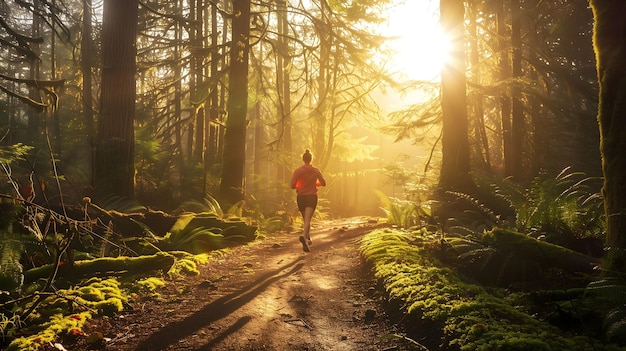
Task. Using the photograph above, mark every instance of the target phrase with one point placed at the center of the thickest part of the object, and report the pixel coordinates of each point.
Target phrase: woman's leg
(307, 215)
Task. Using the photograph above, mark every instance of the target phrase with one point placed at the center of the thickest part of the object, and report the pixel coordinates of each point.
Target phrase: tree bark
(36, 117)
(234, 154)
(517, 107)
(114, 173)
(609, 38)
(284, 95)
(455, 167)
(479, 130)
(505, 98)
(197, 74)
(87, 56)
(214, 105)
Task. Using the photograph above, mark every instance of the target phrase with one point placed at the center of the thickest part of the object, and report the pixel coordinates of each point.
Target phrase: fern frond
(236, 209)
(385, 201)
(612, 288)
(615, 324)
(121, 204)
(208, 205)
(11, 270)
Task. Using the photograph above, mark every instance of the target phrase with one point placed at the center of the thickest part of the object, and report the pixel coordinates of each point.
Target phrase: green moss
(182, 267)
(187, 264)
(105, 296)
(51, 319)
(201, 258)
(149, 284)
(109, 306)
(58, 324)
(90, 293)
(471, 317)
(159, 261)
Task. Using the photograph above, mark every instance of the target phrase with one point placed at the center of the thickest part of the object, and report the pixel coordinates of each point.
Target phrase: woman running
(305, 180)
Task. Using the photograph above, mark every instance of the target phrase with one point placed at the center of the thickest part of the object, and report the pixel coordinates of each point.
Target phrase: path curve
(268, 295)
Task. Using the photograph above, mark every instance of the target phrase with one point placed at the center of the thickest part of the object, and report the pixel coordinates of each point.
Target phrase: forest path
(269, 295)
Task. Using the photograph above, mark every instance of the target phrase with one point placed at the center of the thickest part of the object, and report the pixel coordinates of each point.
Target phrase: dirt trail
(266, 296)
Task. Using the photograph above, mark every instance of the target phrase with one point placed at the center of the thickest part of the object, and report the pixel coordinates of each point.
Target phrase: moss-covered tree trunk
(610, 48)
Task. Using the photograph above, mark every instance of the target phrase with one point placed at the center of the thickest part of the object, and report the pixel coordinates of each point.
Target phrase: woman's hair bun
(306, 156)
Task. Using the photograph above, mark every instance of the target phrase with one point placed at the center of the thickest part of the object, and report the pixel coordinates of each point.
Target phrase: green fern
(565, 204)
(11, 270)
(236, 210)
(613, 291)
(208, 205)
(11, 153)
(195, 240)
(120, 204)
(404, 213)
(480, 216)
(612, 288)
(615, 324)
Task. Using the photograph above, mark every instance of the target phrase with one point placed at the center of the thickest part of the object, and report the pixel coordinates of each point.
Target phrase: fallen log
(160, 261)
(540, 252)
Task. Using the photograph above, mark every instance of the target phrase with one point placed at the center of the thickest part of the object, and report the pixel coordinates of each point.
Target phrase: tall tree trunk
(332, 79)
(479, 130)
(115, 145)
(87, 55)
(455, 167)
(282, 166)
(284, 95)
(321, 107)
(212, 149)
(198, 73)
(232, 179)
(56, 122)
(178, 163)
(505, 98)
(288, 145)
(536, 128)
(259, 140)
(517, 111)
(609, 39)
(222, 92)
(35, 117)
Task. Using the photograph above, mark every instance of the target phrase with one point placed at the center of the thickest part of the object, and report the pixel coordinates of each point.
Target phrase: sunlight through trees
(447, 118)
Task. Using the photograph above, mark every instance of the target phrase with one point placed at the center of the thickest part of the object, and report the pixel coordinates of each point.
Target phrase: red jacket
(306, 179)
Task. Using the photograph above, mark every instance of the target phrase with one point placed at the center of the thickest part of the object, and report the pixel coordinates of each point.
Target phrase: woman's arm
(294, 180)
(321, 179)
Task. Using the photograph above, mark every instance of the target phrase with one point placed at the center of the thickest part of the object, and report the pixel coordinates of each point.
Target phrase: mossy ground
(63, 314)
(470, 316)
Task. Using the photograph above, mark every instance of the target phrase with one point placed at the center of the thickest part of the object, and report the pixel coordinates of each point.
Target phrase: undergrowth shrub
(565, 210)
(58, 324)
(66, 311)
(566, 205)
(613, 292)
(470, 317)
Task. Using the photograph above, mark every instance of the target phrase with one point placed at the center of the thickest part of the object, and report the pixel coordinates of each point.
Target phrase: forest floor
(268, 295)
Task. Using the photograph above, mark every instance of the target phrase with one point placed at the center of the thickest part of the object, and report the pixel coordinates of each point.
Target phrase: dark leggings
(305, 201)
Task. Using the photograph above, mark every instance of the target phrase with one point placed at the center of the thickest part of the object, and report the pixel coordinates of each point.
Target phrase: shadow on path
(216, 310)
(328, 238)
(241, 322)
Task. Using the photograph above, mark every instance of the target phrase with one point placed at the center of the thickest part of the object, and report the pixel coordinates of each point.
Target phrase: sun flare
(419, 48)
